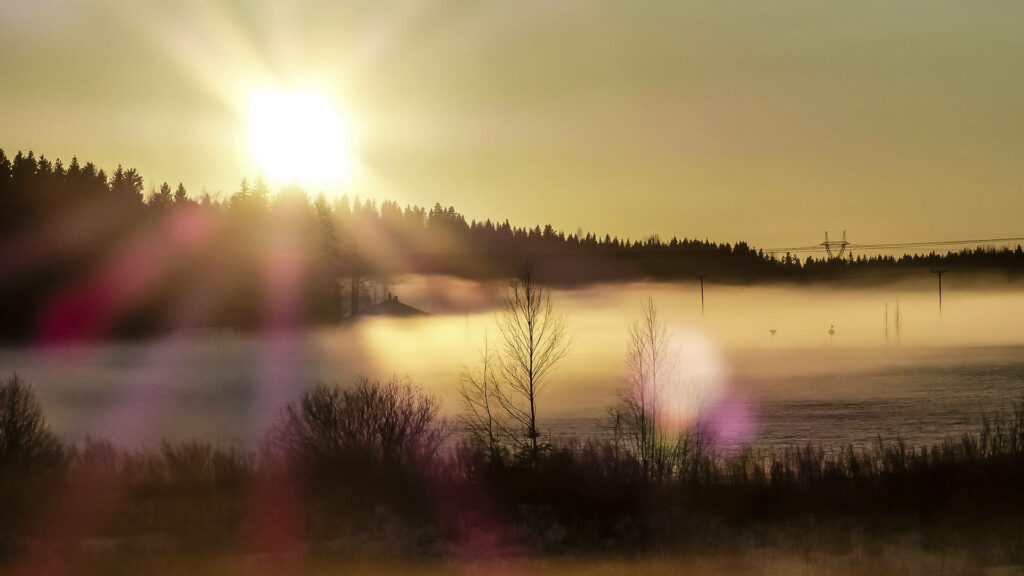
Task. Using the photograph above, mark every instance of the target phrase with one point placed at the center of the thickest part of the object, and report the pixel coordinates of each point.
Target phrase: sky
(767, 121)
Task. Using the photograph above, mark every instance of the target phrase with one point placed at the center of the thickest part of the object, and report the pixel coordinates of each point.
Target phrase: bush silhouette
(394, 423)
(361, 450)
(25, 440)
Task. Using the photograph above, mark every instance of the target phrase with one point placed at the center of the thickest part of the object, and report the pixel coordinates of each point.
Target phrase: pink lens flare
(91, 307)
(276, 518)
(728, 422)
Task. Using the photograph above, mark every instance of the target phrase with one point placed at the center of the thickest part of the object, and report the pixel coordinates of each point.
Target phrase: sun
(299, 137)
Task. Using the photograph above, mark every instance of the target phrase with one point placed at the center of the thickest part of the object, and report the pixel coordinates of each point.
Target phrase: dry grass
(901, 558)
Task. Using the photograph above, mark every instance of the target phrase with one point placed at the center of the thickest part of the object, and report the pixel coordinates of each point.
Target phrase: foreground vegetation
(892, 558)
(372, 470)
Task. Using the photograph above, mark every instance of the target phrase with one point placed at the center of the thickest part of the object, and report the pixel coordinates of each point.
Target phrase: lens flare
(300, 137)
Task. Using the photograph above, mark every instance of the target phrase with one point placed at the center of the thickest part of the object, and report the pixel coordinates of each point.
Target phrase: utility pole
(829, 245)
(939, 273)
(701, 297)
(886, 319)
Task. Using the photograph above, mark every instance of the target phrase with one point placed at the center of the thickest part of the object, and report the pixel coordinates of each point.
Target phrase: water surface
(937, 377)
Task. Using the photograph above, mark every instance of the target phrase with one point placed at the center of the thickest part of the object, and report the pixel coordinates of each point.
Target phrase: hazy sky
(769, 121)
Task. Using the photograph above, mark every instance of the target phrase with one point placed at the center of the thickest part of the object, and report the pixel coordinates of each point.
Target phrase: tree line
(86, 253)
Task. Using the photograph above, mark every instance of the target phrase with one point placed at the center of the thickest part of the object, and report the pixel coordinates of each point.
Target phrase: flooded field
(930, 378)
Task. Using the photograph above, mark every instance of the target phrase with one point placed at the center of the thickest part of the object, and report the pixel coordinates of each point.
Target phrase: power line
(940, 243)
(645, 253)
(891, 245)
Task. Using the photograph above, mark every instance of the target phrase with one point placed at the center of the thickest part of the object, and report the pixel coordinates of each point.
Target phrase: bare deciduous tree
(649, 366)
(534, 339)
(479, 397)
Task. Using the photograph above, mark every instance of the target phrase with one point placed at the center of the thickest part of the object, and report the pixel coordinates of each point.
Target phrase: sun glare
(299, 137)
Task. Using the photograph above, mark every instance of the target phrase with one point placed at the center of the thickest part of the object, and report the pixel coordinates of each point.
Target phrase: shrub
(393, 423)
(25, 440)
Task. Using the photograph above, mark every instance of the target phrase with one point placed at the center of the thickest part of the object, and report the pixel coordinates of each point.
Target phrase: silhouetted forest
(88, 254)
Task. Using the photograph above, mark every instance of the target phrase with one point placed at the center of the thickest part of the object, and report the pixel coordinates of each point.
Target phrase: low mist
(228, 387)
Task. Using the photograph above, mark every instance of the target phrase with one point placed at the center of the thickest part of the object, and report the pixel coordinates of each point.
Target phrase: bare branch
(534, 340)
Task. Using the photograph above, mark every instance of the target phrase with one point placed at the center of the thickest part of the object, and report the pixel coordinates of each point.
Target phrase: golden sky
(767, 121)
